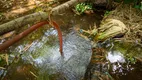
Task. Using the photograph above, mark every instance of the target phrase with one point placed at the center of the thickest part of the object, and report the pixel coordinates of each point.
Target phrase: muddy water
(42, 60)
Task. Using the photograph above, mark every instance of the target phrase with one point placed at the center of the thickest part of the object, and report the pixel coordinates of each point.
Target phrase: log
(22, 21)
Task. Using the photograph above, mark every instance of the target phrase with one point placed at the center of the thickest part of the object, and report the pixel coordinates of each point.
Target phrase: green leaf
(107, 13)
(80, 8)
(0, 59)
(137, 6)
(101, 36)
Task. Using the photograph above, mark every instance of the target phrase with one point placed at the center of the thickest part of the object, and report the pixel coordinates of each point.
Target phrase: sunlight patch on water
(115, 56)
(38, 60)
(51, 31)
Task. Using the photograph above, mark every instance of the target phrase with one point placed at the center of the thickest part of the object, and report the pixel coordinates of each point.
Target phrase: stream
(42, 60)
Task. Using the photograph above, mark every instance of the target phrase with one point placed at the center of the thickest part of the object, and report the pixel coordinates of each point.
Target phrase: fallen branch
(19, 22)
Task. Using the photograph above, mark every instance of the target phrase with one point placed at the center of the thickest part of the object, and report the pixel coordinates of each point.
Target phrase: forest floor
(11, 9)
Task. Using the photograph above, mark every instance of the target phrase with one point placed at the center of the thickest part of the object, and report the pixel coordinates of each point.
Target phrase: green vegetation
(82, 7)
(138, 6)
(131, 60)
(107, 13)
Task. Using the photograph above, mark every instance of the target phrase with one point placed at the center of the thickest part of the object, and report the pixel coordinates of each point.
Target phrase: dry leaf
(6, 58)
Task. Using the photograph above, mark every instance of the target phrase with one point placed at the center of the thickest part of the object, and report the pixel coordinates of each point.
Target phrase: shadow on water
(41, 59)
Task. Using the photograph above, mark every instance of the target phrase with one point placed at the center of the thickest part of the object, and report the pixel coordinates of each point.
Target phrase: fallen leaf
(6, 58)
